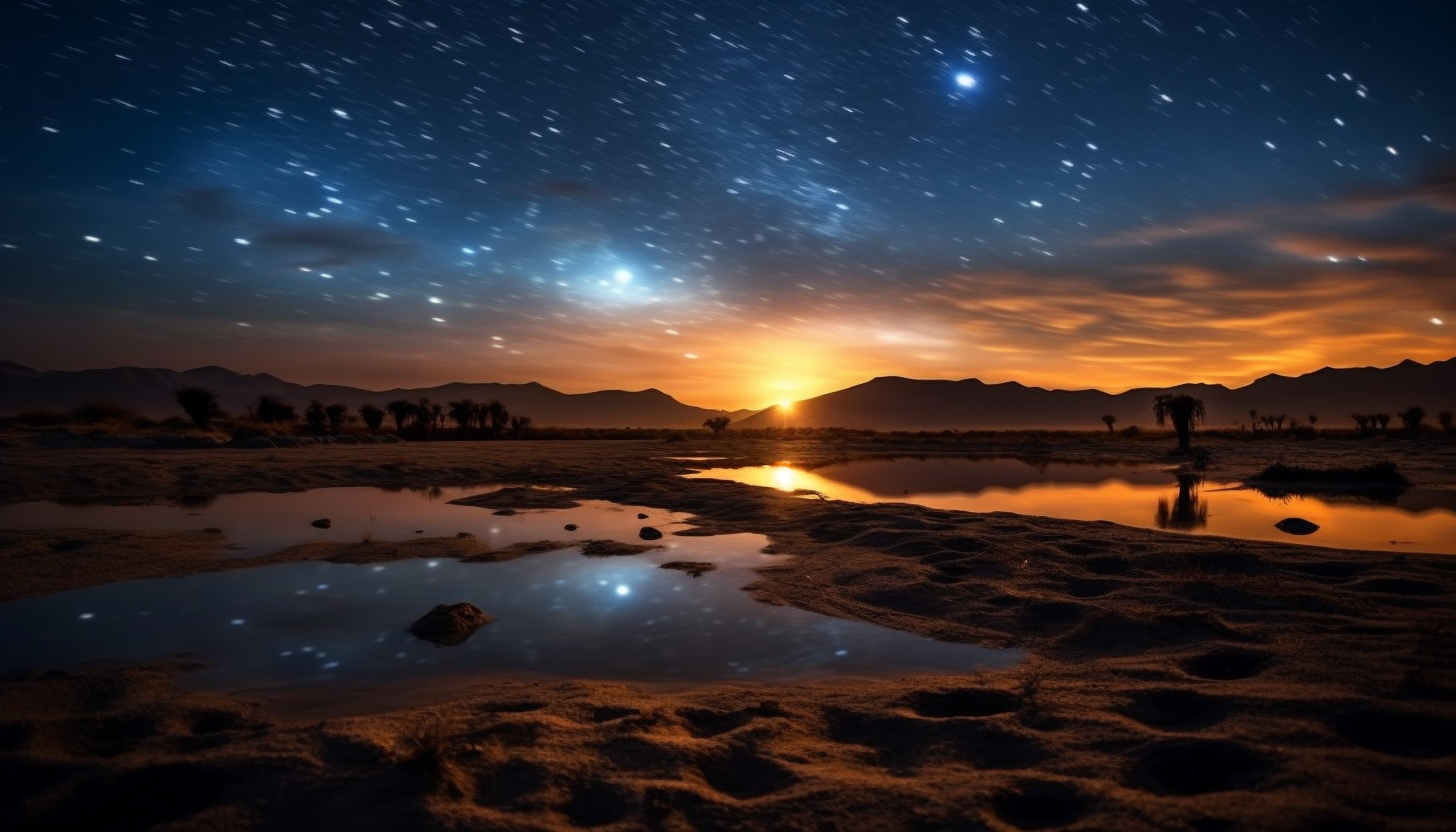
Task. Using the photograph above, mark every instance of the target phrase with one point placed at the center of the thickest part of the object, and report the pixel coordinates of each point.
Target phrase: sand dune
(1174, 682)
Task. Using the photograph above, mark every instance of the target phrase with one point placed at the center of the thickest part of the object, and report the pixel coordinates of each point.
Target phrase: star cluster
(734, 201)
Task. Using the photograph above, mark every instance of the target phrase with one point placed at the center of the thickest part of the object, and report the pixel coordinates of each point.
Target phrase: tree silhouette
(423, 413)
(462, 412)
(1187, 511)
(1444, 417)
(1383, 419)
(271, 409)
(1411, 417)
(199, 404)
(520, 426)
(338, 414)
(373, 417)
(314, 416)
(497, 415)
(1312, 419)
(400, 410)
(1183, 410)
(717, 424)
(1109, 420)
(1364, 425)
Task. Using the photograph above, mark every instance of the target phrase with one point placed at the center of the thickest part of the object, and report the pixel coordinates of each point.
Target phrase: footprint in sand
(1227, 664)
(1189, 767)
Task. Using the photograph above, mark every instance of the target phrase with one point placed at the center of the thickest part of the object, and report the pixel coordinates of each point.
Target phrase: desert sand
(1172, 681)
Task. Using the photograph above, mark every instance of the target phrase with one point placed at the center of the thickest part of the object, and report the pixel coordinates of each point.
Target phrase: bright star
(965, 80)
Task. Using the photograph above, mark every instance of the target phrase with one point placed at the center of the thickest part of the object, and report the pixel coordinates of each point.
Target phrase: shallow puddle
(1420, 520)
(257, 523)
(558, 613)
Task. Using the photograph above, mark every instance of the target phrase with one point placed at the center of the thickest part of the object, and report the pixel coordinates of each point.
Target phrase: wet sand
(1174, 682)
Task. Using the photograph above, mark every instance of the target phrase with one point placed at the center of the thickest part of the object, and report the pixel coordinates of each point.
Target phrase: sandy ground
(1174, 682)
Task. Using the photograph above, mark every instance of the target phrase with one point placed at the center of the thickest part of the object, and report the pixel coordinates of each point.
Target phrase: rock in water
(322, 524)
(450, 624)
(571, 527)
(649, 533)
(1296, 525)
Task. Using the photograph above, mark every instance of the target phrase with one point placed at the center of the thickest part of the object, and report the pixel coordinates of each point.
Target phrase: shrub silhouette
(271, 409)
(462, 413)
(401, 410)
(314, 416)
(717, 424)
(372, 415)
(1183, 410)
(520, 426)
(1411, 417)
(199, 404)
(337, 415)
(497, 416)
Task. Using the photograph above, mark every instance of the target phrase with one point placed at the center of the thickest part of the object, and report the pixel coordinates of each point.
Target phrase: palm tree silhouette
(1183, 410)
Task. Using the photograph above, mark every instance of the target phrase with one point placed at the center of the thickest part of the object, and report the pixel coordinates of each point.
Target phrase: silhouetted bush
(1379, 473)
(199, 404)
(271, 410)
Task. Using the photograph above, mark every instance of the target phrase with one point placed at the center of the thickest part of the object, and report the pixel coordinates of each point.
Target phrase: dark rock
(450, 624)
(1296, 525)
(323, 523)
(571, 527)
(641, 516)
(649, 533)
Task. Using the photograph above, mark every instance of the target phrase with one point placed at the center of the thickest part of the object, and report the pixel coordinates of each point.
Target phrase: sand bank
(1175, 682)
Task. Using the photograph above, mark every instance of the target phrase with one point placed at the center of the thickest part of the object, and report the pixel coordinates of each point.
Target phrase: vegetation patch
(1380, 480)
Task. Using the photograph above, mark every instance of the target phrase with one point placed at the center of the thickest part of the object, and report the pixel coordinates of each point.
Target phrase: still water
(557, 614)
(257, 523)
(1420, 520)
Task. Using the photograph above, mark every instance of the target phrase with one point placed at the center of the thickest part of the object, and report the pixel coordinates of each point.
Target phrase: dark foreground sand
(1174, 682)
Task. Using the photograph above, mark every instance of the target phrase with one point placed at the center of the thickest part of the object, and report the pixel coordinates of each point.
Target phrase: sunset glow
(759, 214)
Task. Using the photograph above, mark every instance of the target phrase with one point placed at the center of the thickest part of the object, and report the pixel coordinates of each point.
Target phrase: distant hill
(893, 403)
(151, 392)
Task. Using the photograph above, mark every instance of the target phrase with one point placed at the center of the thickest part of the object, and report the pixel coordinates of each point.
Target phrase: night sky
(735, 202)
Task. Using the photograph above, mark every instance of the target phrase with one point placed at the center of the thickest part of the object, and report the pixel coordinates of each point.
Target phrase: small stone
(571, 527)
(450, 624)
(1296, 525)
(323, 523)
(649, 533)
(641, 517)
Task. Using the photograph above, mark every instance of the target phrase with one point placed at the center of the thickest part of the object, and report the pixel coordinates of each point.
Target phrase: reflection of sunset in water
(1213, 508)
(783, 477)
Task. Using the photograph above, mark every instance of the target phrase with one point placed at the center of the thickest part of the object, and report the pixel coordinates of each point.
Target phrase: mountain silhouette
(894, 403)
(153, 392)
